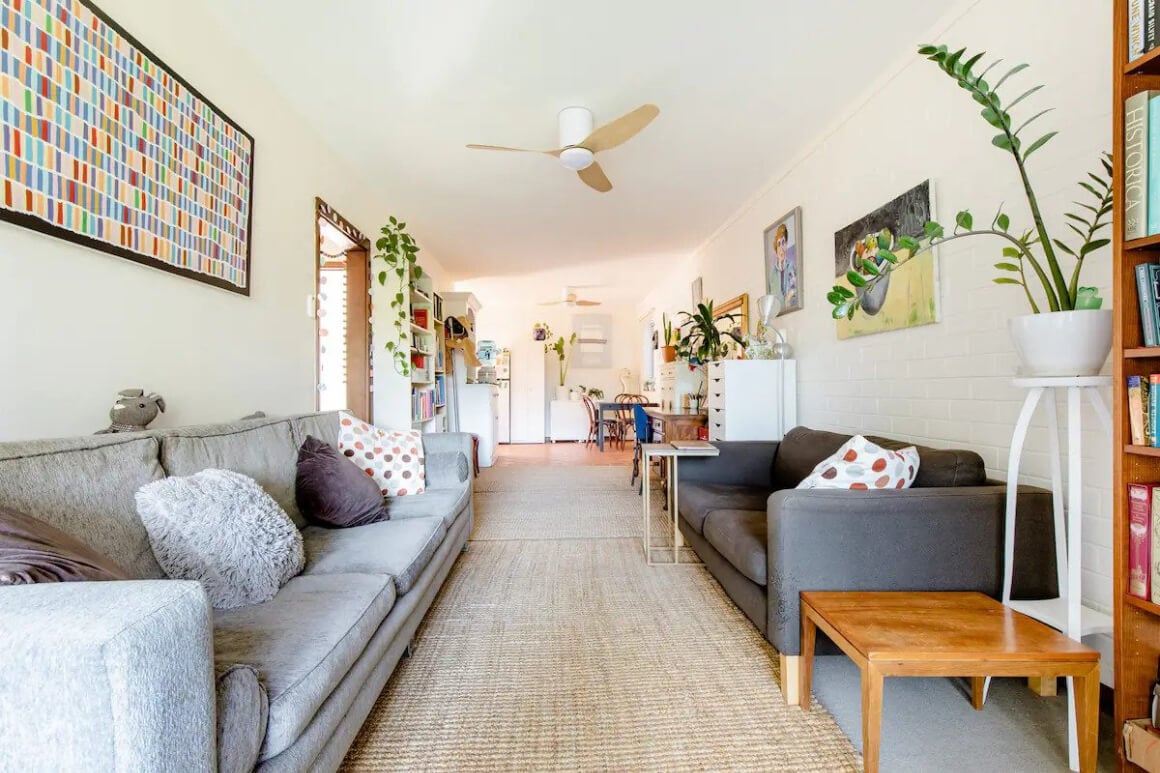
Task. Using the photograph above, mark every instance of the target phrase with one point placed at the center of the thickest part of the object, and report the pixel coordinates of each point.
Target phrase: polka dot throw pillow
(862, 465)
(394, 459)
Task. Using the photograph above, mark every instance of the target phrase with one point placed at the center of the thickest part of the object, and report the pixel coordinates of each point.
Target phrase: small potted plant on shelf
(1066, 333)
(563, 350)
(669, 348)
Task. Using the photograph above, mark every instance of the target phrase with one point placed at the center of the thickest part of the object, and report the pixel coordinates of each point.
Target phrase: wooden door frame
(359, 399)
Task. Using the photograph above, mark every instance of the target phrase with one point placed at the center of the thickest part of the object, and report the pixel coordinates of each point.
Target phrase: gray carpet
(554, 647)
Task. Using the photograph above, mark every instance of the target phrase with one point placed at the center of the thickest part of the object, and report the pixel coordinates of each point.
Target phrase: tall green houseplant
(398, 250)
(1030, 253)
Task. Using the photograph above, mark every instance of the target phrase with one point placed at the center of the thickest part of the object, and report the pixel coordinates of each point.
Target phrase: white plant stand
(1065, 613)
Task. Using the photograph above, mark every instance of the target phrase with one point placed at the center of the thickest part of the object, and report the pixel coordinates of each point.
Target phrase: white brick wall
(949, 383)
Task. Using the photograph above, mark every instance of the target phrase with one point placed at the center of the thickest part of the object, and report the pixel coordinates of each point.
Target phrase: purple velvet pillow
(31, 551)
(332, 491)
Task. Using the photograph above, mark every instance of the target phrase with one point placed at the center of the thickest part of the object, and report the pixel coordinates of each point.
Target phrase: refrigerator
(503, 373)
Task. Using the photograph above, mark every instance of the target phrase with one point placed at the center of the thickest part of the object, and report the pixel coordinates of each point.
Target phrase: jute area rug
(553, 646)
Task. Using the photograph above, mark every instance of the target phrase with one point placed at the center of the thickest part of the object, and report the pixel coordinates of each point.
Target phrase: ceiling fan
(570, 300)
(579, 143)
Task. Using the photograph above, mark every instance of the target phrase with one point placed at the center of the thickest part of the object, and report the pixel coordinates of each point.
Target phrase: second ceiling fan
(579, 142)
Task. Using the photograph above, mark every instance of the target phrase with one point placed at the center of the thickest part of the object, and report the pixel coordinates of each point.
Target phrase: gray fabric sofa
(766, 541)
(143, 675)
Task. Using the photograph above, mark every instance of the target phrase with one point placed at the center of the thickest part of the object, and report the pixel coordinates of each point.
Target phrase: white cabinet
(568, 420)
(675, 379)
(479, 415)
(742, 399)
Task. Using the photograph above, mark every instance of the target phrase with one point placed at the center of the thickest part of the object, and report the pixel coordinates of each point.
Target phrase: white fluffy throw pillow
(860, 464)
(220, 528)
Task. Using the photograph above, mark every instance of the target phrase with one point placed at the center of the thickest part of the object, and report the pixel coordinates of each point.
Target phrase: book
(1149, 25)
(1154, 546)
(1144, 297)
(1140, 506)
(1135, 28)
(1136, 391)
(1153, 395)
(1154, 271)
(1152, 203)
(1136, 166)
(700, 446)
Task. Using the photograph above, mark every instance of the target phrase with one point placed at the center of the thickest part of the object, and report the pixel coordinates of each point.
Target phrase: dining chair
(625, 415)
(611, 426)
(642, 431)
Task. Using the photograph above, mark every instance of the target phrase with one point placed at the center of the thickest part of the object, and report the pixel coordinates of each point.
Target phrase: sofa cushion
(740, 536)
(262, 450)
(33, 551)
(320, 425)
(222, 529)
(803, 448)
(697, 500)
(331, 491)
(401, 548)
(445, 503)
(242, 713)
(303, 642)
(84, 487)
(860, 465)
(393, 458)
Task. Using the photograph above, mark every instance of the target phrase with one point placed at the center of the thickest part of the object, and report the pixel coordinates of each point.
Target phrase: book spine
(1152, 203)
(1149, 25)
(1140, 507)
(1136, 410)
(1135, 28)
(1153, 394)
(1146, 407)
(1144, 300)
(1154, 299)
(1136, 166)
(1153, 547)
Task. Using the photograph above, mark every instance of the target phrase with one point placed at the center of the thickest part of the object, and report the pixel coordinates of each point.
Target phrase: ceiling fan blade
(587, 303)
(515, 150)
(552, 303)
(621, 130)
(594, 177)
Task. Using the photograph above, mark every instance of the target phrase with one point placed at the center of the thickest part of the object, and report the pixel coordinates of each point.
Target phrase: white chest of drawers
(743, 399)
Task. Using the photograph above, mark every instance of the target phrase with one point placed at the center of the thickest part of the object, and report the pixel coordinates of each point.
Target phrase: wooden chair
(624, 416)
(611, 426)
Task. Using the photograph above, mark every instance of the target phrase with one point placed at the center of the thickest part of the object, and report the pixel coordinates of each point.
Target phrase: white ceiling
(400, 87)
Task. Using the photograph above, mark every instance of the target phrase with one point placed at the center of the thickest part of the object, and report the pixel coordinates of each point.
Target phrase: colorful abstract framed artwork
(103, 145)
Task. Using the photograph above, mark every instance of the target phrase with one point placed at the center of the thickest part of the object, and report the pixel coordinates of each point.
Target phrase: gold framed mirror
(738, 306)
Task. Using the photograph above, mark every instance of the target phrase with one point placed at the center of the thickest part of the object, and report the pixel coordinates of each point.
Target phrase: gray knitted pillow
(220, 528)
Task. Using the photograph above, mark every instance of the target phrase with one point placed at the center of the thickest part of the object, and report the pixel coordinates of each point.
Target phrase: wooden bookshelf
(1137, 622)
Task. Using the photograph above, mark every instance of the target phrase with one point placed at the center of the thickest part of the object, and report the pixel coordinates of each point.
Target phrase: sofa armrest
(740, 463)
(113, 676)
(448, 458)
(919, 539)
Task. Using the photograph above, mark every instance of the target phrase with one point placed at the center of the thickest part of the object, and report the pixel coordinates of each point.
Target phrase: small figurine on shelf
(133, 411)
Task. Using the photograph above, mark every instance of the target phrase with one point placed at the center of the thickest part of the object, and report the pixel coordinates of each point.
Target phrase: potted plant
(563, 350)
(701, 339)
(669, 349)
(1066, 333)
(398, 249)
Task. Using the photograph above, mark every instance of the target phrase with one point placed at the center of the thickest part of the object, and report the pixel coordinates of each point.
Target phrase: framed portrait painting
(783, 260)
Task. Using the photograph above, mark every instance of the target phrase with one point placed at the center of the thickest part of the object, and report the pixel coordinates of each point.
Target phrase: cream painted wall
(948, 383)
(82, 324)
(510, 307)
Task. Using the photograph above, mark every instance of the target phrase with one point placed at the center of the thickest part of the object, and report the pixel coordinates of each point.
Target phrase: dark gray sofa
(143, 675)
(765, 541)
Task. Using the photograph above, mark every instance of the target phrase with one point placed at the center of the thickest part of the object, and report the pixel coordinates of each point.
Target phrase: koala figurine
(134, 410)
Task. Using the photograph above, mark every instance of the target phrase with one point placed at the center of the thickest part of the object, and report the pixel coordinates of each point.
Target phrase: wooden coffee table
(945, 634)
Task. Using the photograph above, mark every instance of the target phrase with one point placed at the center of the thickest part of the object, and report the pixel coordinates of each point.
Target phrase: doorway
(342, 329)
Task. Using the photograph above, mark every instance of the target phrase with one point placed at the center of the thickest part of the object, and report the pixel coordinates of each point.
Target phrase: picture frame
(164, 178)
(740, 307)
(783, 255)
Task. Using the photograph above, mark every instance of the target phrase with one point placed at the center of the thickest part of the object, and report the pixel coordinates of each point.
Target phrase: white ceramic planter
(1062, 343)
(562, 392)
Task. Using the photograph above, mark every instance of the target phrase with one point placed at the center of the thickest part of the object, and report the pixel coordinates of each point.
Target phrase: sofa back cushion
(803, 448)
(262, 449)
(323, 426)
(84, 487)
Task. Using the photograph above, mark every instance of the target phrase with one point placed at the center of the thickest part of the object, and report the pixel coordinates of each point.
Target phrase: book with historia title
(1136, 166)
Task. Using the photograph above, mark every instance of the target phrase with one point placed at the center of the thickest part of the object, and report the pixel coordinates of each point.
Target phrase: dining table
(611, 405)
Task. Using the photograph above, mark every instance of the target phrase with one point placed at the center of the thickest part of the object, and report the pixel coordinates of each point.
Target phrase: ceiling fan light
(577, 158)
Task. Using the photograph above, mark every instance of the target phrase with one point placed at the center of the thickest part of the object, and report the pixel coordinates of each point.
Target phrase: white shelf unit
(742, 399)
(423, 345)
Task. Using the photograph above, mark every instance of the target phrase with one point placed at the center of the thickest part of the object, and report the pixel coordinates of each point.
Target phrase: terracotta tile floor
(568, 454)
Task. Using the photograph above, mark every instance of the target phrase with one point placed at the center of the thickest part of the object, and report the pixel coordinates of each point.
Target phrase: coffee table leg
(871, 716)
(1087, 700)
(806, 667)
(977, 691)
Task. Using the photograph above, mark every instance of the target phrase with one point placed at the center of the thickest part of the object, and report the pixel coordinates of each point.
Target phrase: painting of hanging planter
(908, 297)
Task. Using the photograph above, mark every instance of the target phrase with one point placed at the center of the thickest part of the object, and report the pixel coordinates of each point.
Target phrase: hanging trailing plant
(398, 249)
